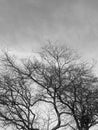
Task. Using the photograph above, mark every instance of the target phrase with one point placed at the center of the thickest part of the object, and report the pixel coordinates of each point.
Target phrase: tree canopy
(59, 79)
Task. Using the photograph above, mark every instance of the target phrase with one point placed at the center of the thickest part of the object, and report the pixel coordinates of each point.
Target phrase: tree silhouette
(69, 85)
(16, 99)
(64, 82)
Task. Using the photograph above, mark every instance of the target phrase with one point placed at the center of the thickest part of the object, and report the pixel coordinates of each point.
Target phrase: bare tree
(16, 99)
(65, 83)
(69, 85)
(50, 75)
(46, 75)
(81, 97)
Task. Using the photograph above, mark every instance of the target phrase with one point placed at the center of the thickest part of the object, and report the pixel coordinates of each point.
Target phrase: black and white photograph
(48, 64)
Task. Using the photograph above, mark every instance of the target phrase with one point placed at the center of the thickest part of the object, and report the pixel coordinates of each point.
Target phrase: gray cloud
(25, 24)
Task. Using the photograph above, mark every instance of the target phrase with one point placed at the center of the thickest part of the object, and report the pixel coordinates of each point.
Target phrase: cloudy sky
(26, 24)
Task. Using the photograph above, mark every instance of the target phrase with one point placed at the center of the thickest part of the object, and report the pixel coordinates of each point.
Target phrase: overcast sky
(27, 24)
